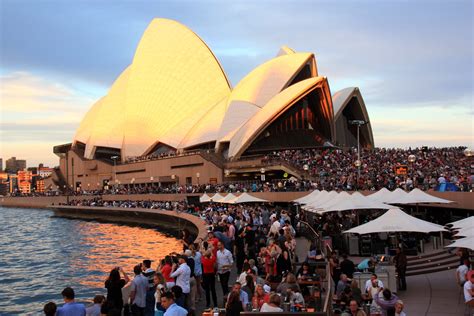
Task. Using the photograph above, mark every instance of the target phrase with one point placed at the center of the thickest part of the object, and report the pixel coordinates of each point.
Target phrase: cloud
(22, 92)
(37, 113)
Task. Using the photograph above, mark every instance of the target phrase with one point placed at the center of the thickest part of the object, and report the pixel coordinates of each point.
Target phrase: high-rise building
(14, 165)
(1, 164)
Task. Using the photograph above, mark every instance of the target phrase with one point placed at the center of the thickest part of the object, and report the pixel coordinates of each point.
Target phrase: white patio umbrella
(395, 220)
(356, 201)
(307, 197)
(463, 223)
(247, 198)
(217, 198)
(463, 243)
(381, 195)
(465, 232)
(204, 198)
(417, 196)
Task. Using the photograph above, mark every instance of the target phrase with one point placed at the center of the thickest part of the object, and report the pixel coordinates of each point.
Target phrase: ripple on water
(41, 254)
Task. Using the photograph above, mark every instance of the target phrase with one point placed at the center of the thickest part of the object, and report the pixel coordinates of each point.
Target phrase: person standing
(172, 309)
(401, 268)
(224, 264)
(49, 309)
(139, 289)
(347, 266)
(209, 277)
(114, 285)
(94, 310)
(70, 307)
(461, 272)
(182, 273)
(148, 272)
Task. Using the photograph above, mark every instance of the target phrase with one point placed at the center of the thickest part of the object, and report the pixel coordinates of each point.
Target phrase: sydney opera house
(172, 116)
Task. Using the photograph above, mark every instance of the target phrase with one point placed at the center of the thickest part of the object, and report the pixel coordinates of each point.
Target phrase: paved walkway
(434, 294)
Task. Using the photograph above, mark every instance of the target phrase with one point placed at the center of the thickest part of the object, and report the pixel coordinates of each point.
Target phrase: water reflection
(41, 254)
(127, 246)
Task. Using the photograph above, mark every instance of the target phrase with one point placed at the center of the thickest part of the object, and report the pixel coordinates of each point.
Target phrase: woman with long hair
(114, 284)
(160, 284)
(165, 270)
(249, 287)
(260, 297)
(233, 307)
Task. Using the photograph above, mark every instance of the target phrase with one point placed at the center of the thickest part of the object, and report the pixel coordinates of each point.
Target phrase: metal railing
(328, 300)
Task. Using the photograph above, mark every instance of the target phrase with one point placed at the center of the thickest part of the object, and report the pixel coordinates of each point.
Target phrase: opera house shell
(175, 96)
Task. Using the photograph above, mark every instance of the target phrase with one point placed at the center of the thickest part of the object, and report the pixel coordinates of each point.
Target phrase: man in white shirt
(469, 291)
(224, 264)
(461, 272)
(275, 227)
(182, 273)
(373, 282)
(139, 287)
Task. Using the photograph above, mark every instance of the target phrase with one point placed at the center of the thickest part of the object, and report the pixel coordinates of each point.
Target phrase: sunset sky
(412, 60)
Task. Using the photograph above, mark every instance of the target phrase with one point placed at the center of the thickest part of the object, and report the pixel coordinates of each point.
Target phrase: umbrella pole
(441, 239)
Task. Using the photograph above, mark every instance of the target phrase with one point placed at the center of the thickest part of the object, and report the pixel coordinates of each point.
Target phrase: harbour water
(40, 254)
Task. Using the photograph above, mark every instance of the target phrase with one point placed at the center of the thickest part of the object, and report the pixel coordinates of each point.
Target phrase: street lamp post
(358, 162)
(114, 158)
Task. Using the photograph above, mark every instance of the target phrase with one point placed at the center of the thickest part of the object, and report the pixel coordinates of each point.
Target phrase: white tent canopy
(381, 195)
(332, 200)
(322, 198)
(417, 196)
(247, 198)
(228, 198)
(217, 198)
(307, 197)
(205, 198)
(395, 220)
(463, 243)
(356, 201)
(395, 196)
(463, 223)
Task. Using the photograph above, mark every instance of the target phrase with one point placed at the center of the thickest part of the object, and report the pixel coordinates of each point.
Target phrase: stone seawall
(171, 221)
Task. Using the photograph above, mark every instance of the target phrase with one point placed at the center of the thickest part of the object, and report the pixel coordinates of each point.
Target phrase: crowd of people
(325, 169)
(257, 243)
(149, 204)
(335, 169)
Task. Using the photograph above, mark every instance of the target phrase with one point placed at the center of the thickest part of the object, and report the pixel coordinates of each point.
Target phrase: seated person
(341, 285)
(354, 310)
(289, 282)
(312, 255)
(273, 304)
(304, 272)
(373, 282)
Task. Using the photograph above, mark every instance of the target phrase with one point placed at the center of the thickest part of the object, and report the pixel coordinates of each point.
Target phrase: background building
(13, 165)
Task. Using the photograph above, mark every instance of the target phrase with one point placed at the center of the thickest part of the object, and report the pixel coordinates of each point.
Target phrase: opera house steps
(433, 262)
